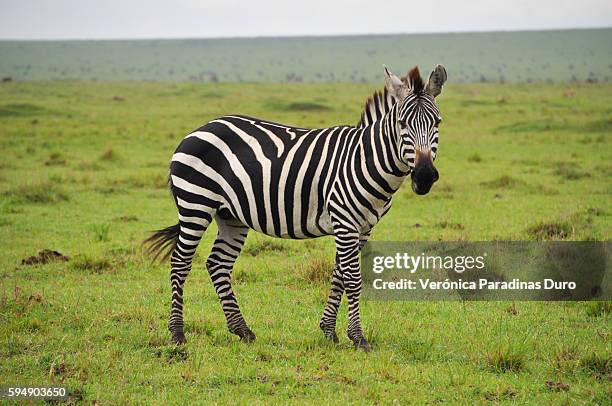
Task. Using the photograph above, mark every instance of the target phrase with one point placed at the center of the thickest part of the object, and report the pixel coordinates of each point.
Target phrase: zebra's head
(417, 123)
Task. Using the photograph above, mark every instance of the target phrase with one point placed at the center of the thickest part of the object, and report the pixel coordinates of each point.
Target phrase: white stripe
(266, 165)
(195, 189)
(192, 206)
(197, 164)
(188, 242)
(280, 146)
(194, 220)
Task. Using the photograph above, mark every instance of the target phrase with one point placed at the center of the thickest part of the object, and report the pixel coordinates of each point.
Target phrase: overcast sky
(98, 19)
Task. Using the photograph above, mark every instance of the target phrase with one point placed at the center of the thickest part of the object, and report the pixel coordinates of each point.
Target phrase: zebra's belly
(315, 226)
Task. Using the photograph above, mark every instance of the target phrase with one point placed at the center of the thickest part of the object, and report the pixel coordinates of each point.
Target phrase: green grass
(97, 323)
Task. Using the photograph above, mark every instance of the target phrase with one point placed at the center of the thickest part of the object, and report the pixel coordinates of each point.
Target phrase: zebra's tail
(162, 242)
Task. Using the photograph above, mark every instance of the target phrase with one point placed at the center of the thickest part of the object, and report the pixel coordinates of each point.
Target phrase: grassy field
(557, 56)
(83, 172)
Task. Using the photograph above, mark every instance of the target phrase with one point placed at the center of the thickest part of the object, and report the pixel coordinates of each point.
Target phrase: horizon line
(297, 36)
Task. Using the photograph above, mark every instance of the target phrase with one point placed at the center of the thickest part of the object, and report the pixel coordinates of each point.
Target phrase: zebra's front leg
(330, 313)
(220, 262)
(347, 248)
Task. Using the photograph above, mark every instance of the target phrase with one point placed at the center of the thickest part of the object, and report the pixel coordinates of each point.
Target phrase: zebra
(290, 182)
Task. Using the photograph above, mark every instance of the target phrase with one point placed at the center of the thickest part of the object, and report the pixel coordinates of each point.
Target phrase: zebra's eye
(438, 121)
(402, 124)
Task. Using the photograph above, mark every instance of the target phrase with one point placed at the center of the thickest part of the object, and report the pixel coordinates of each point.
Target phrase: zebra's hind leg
(220, 262)
(190, 234)
(328, 320)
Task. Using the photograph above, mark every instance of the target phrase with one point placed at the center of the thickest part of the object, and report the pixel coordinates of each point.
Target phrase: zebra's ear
(394, 85)
(436, 81)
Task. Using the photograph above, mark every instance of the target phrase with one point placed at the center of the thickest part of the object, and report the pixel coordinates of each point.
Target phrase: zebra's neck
(376, 106)
(379, 151)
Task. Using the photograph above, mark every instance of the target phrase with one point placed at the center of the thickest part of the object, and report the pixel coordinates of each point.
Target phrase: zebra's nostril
(436, 175)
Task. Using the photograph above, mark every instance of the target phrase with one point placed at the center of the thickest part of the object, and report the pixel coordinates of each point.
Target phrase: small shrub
(61, 371)
(172, 354)
(559, 230)
(45, 192)
(502, 99)
(545, 190)
(525, 127)
(75, 396)
(33, 325)
(500, 394)
(311, 244)
(595, 211)
(317, 271)
(604, 125)
(261, 247)
(599, 366)
(89, 166)
(565, 359)
(109, 190)
(504, 359)
(416, 350)
(306, 106)
(143, 180)
(570, 171)
(127, 218)
(55, 159)
(20, 110)
(511, 310)
(91, 264)
(213, 95)
(445, 188)
(100, 232)
(109, 155)
(199, 327)
(241, 276)
(475, 158)
(448, 224)
(299, 106)
(597, 309)
(557, 386)
(58, 369)
(503, 181)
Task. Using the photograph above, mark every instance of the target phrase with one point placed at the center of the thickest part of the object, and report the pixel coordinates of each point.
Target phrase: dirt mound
(44, 257)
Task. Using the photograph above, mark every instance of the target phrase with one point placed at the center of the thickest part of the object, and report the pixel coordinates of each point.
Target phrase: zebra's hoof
(329, 331)
(332, 336)
(179, 338)
(246, 335)
(362, 344)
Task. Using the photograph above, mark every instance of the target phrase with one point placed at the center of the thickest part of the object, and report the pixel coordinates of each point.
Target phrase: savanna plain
(83, 172)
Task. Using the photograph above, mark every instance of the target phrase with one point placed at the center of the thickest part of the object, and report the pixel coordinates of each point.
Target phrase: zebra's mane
(377, 105)
(415, 80)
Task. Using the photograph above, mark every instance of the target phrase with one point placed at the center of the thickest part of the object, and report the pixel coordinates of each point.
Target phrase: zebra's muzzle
(424, 174)
(421, 189)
